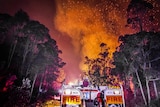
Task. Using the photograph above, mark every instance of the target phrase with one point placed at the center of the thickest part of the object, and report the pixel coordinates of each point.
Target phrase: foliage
(30, 54)
(100, 69)
(137, 56)
(155, 103)
(137, 49)
(138, 15)
(18, 96)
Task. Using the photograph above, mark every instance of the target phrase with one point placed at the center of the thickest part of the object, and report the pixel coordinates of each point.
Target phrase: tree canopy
(99, 69)
(28, 52)
(139, 15)
(137, 57)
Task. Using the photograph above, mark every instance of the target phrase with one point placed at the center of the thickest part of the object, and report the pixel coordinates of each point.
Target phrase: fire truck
(76, 96)
(71, 97)
(107, 96)
(114, 96)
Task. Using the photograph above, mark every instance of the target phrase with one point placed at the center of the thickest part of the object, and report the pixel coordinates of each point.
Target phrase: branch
(155, 59)
(126, 60)
(154, 79)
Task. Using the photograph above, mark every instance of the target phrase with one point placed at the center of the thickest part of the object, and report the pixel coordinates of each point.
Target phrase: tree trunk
(148, 91)
(24, 56)
(40, 85)
(141, 88)
(27, 71)
(35, 77)
(135, 93)
(11, 53)
(155, 89)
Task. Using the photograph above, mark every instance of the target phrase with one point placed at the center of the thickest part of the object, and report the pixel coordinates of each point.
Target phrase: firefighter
(100, 99)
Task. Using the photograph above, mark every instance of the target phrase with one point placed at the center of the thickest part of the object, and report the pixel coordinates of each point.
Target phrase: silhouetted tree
(138, 14)
(31, 54)
(100, 67)
(135, 58)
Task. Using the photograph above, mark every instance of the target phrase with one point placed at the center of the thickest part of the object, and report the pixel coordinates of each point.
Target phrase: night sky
(79, 26)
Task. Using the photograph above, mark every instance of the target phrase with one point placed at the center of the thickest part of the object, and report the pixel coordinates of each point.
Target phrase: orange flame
(89, 24)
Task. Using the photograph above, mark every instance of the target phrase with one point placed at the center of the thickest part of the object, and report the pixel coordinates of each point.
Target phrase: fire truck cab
(71, 97)
(114, 96)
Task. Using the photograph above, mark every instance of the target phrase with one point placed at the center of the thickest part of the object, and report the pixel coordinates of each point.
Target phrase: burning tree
(99, 69)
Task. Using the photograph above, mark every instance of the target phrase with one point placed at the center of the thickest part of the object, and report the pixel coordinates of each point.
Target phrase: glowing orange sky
(88, 24)
(78, 26)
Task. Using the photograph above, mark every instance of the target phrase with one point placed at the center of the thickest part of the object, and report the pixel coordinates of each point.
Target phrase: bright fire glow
(116, 92)
(70, 83)
(88, 25)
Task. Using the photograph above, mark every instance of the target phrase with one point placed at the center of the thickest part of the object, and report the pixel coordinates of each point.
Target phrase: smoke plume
(90, 23)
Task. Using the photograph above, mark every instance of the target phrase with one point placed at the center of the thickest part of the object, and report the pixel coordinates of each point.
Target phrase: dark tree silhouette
(99, 68)
(30, 54)
(138, 14)
(135, 58)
